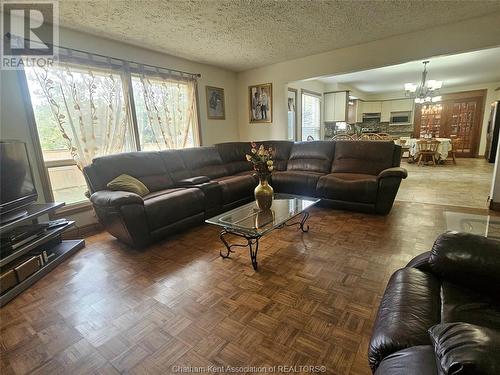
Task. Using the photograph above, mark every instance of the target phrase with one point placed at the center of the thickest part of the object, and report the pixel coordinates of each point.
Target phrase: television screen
(17, 187)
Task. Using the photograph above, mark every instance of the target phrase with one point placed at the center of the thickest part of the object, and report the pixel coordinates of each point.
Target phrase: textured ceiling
(240, 35)
(454, 70)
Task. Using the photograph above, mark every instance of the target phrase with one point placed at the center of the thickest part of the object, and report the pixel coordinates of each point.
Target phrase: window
(292, 114)
(311, 117)
(80, 114)
(166, 116)
(83, 111)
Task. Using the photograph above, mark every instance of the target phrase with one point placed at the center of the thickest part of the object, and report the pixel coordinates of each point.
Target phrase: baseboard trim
(495, 206)
(82, 231)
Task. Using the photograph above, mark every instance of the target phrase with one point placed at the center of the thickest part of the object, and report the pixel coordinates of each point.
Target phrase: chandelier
(427, 91)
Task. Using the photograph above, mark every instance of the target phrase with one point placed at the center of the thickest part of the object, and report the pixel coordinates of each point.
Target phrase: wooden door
(463, 123)
(458, 116)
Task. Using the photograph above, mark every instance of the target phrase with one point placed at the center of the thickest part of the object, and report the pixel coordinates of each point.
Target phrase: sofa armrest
(110, 198)
(393, 172)
(421, 262)
(469, 260)
(192, 181)
(463, 348)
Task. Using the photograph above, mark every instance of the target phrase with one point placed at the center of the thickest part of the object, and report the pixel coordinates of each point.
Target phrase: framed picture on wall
(261, 103)
(216, 108)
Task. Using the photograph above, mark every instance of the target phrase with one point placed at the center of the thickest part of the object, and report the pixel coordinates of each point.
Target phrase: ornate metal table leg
(253, 245)
(228, 246)
(303, 221)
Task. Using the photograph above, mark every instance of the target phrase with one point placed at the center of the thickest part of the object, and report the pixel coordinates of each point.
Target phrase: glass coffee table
(251, 223)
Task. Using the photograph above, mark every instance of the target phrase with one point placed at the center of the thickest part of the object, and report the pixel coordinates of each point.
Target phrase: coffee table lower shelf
(253, 239)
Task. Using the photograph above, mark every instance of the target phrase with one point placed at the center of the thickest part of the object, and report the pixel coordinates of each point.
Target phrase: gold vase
(264, 194)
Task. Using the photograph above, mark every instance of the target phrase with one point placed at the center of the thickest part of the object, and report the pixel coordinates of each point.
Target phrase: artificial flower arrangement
(262, 160)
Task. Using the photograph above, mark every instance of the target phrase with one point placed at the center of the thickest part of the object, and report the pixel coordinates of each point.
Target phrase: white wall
(473, 34)
(14, 121)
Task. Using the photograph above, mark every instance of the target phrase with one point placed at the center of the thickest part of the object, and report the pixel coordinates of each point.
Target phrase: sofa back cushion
(281, 152)
(233, 156)
(365, 157)
(203, 161)
(315, 156)
(175, 165)
(145, 166)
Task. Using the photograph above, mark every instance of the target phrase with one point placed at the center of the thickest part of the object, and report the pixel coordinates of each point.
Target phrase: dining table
(443, 149)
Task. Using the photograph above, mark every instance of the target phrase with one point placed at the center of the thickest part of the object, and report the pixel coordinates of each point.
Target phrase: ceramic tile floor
(466, 184)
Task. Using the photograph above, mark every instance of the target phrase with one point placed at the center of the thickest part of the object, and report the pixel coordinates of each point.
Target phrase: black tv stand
(50, 241)
(11, 216)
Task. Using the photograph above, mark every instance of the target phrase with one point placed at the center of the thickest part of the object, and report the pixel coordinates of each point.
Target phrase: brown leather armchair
(441, 313)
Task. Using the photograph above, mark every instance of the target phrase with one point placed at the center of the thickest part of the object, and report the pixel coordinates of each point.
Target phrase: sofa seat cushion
(235, 188)
(417, 360)
(248, 173)
(170, 205)
(351, 187)
(460, 304)
(410, 305)
(295, 182)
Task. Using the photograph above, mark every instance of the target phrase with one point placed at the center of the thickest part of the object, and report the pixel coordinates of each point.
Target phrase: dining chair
(455, 143)
(386, 137)
(427, 151)
(342, 137)
(369, 137)
(405, 148)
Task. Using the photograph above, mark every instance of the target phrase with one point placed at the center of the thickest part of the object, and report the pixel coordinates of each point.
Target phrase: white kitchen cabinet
(372, 107)
(335, 106)
(359, 110)
(329, 107)
(402, 105)
(386, 109)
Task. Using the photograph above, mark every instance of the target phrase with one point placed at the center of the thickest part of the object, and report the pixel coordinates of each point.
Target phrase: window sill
(73, 209)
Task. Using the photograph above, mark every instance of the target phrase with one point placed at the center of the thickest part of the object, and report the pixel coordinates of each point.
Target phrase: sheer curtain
(90, 107)
(166, 111)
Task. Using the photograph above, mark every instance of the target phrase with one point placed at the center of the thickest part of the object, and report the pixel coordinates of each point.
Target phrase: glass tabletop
(249, 219)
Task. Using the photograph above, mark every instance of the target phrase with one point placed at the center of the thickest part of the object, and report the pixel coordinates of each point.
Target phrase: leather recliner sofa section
(441, 313)
(188, 185)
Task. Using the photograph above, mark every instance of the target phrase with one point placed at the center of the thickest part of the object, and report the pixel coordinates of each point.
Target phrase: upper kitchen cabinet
(396, 105)
(386, 109)
(372, 107)
(359, 110)
(401, 105)
(335, 104)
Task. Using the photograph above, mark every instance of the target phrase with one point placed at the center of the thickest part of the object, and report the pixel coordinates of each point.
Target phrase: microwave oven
(400, 118)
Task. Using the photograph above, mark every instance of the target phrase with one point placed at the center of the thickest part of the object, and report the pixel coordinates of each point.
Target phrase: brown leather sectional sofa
(441, 313)
(192, 184)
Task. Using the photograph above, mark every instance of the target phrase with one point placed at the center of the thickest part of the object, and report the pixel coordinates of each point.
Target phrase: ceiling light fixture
(427, 91)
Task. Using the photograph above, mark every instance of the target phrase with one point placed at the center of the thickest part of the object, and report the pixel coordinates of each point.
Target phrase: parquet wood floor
(111, 309)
